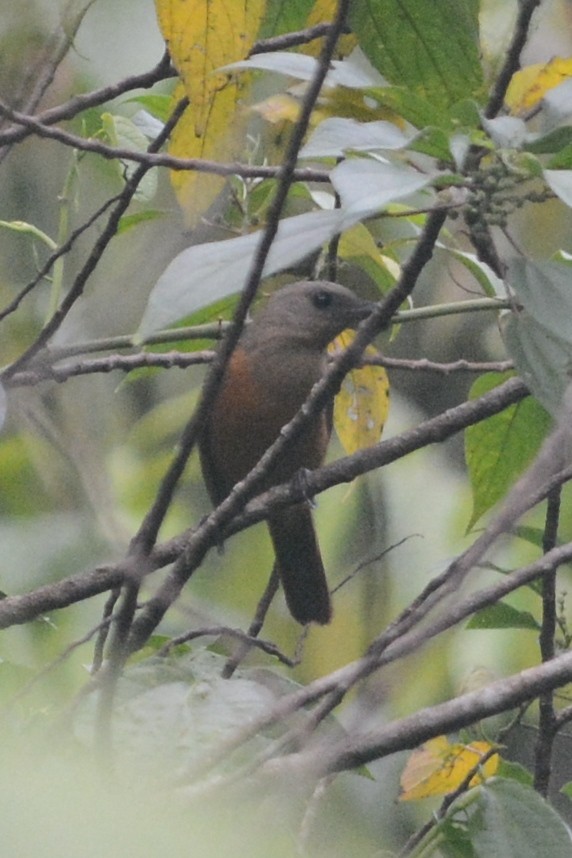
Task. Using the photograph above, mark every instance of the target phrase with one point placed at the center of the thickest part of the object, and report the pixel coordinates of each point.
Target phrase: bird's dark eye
(322, 299)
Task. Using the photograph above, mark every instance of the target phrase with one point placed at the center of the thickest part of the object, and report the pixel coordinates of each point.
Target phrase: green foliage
(498, 449)
(404, 39)
(284, 16)
(512, 821)
(503, 616)
(400, 137)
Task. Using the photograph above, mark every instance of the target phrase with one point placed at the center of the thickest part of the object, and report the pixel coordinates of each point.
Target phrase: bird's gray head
(313, 311)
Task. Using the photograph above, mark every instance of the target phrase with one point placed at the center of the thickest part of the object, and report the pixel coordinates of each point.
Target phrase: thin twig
(547, 715)
(147, 533)
(511, 63)
(290, 40)
(157, 159)
(123, 363)
(256, 625)
(84, 101)
(60, 594)
(97, 251)
(57, 254)
(251, 641)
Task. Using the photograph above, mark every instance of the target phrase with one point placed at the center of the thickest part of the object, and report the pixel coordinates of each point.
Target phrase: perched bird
(278, 359)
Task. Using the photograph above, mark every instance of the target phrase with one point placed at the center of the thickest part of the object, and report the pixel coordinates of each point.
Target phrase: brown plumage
(278, 359)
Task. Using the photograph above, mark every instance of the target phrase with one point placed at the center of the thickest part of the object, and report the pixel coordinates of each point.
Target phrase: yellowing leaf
(361, 406)
(202, 36)
(529, 85)
(196, 191)
(439, 767)
(278, 108)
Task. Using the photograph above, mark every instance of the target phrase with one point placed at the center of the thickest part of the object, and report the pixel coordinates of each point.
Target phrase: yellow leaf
(439, 767)
(278, 108)
(202, 36)
(529, 85)
(219, 141)
(361, 406)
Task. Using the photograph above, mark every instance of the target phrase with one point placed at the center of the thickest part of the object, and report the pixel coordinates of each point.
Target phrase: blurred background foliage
(80, 463)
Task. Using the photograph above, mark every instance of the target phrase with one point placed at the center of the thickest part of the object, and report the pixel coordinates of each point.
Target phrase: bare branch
(356, 750)
(291, 40)
(511, 63)
(84, 101)
(94, 257)
(124, 363)
(156, 159)
(22, 608)
(147, 533)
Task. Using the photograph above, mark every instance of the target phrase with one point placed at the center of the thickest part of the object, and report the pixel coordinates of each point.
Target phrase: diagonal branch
(147, 534)
(82, 102)
(97, 251)
(22, 608)
(156, 159)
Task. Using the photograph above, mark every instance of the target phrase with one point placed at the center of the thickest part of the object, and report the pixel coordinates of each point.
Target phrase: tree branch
(353, 751)
(84, 101)
(22, 608)
(124, 199)
(152, 158)
(511, 63)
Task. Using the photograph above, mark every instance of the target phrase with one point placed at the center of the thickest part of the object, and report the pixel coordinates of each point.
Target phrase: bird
(280, 355)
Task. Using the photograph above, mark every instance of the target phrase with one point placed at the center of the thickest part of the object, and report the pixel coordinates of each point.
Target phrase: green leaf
(491, 285)
(560, 181)
(541, 358)
(284, 16)
(567, 789)
(416, 109)
(367, 186)
(498, 449)
(209, 272)
(28, 229)
(502, 616)
(550, 143)
(430, 48)
(433, 142)
(335, 136)
(159, 106)
(539, 337)
(515, 772)
(205, 273)
(534, 535)
(358, 246)
(124, 133)
(131, 220)
(513, 821)
(454, 841)
(561, 160)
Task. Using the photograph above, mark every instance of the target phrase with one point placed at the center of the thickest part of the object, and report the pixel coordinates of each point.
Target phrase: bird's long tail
(300, 565)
